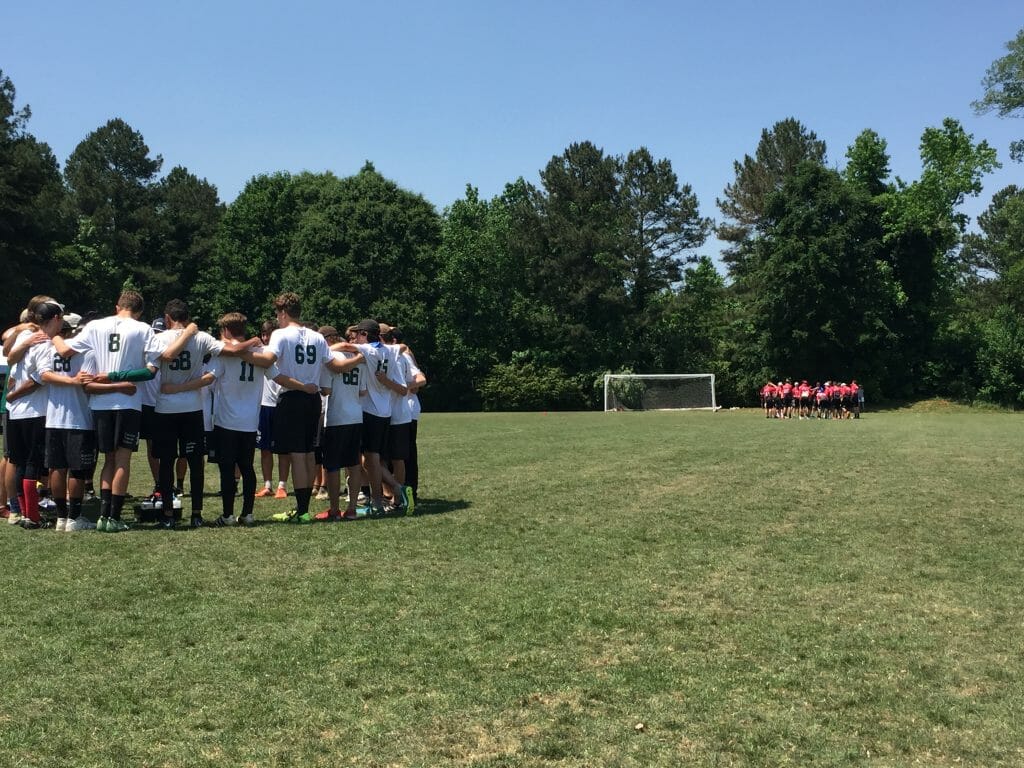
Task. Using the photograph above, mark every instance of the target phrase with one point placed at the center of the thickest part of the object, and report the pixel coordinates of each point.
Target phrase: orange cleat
(280, 493)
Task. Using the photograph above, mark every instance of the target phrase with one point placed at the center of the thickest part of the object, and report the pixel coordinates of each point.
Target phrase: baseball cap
(73, 319)
(370, 326)
(158, 324)
(327, 330)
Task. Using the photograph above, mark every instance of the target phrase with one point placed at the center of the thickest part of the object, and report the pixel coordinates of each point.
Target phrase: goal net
(659, 391)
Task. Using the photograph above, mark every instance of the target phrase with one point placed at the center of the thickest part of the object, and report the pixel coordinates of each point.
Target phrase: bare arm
(203, 381)
(239, 349)
(336, 365)
(80, 379)
(174, 348)
(419, 381)
(289, 383)
(394, 386)
(97, 388)
(11, 335)
(344, 346)
(17, 353)
(263, 359)
(260, 358)
(62, 347)
(22, 389)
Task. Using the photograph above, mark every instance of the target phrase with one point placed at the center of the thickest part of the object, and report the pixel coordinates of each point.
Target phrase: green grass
(754, 593)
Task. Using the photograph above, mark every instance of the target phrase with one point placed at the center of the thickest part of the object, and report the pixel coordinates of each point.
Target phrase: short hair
(233, 323)
(177, 310)
(290, 303)
(33, 306)
(132, 301)
(268, 327)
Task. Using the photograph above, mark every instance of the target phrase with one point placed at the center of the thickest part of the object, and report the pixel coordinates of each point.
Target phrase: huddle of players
(820, 401)
(71, 398)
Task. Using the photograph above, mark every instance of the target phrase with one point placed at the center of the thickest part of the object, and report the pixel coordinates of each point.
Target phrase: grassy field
(582, 590)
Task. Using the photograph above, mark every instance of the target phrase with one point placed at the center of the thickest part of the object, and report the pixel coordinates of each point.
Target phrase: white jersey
(301, 353)
(414, 399)
(237, 393)
(377, 400)
(343, 406)
(271, 392)
(32, 405)
(150, 389)
(399, 373)
(117, 344)
(67, 405)
(186, 367)
(208, 403)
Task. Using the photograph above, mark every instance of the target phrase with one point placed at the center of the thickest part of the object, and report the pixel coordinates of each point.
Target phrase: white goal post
(659, 391)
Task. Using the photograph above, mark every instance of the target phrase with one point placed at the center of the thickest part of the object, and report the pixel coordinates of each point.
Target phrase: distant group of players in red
(831, 400)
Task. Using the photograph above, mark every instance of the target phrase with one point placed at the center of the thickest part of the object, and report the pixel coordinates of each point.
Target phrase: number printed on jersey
(182, 362)
(351, 377)
(114, 342)
(247, 367)
(305, 354)
(61, 365)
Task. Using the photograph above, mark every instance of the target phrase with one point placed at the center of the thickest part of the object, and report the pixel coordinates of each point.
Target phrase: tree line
(525, 300)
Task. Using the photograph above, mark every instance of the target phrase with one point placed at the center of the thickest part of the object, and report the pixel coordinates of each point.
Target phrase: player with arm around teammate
(300, 353)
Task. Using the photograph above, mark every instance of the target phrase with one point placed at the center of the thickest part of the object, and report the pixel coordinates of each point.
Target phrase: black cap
(370, 326)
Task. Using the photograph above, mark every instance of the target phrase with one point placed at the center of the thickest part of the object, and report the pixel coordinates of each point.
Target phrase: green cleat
(116, 526)
(101, 524)
(409, 499)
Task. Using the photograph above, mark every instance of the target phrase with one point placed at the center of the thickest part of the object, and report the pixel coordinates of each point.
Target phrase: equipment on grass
(659, 391)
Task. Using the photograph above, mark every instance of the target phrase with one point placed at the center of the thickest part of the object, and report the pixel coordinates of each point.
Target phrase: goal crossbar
(659, 391)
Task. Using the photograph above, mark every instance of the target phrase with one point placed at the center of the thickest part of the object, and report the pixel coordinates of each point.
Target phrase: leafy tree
(1004, 89)
(781, 149)
(188, 213)
(999, 249)
(868, 163)
(252, 242)
(365, 246)
(111, 177)
(32, 208)
(689, 323)
(661, 222)
(482, 311)
(1001, 358)
(922, 227)
(824, 297)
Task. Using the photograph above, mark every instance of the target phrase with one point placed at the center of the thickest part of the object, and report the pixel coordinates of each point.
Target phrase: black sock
(105, 502)
(302, 500)
(62, 507)
(75, 509)
(116, 505)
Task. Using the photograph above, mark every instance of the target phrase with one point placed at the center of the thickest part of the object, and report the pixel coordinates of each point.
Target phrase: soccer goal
(659, 391)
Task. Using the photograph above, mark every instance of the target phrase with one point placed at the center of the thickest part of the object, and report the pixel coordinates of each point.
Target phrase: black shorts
(7, 451)
(398, 442)
(117, 429)
(27, 441)
(73, 449)
(265, 430)
(178, 434)
(341, 446)
(295, 420)
(375, 433)
(232, 447)
(147, 427)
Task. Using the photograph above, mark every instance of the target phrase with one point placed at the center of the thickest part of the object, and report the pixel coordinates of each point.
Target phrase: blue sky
(438, 95)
